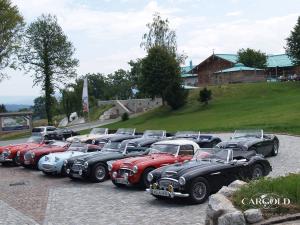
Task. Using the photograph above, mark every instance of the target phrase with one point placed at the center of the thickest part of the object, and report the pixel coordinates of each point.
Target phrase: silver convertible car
(54, 162)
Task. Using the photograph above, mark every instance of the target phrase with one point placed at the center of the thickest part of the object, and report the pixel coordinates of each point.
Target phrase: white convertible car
(95, 133)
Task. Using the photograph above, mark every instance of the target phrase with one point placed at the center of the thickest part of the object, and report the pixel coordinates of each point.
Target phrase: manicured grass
(96, 112)
(274, 107)
(285, 187)
(15, 135)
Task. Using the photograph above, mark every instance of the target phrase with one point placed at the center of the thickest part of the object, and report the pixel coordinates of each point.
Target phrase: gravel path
(55, 201)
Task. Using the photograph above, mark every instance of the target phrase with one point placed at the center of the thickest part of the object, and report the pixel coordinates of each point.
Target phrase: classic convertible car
(95, 133)
(206, 173)
(31, 158)
(53, 162)
(135, 170)
(61, 134)
(121, 132)
(94, 167)
(253, 141)
(203, 140)
(8, 154)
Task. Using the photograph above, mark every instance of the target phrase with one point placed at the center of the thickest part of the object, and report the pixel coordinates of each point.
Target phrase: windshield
(154, 133)
(35, 139)
(80, 147)
(247, 133)
(187, 134)
(99, 131)
(127, 131)
(219, 155)
(164, 148)
(112, 146)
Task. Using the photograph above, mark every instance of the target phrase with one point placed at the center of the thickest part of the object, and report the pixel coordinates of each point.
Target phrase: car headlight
(181, 181)
(86, 165)
(18, 153)
(150, 177)
(109, 167)
(65, 162)
(135, 169)
(32, 154)
(56, 159)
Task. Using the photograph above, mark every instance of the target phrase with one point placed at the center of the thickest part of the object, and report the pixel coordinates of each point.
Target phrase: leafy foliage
(12, 26)
(252, 58)
(2, 108)
(68, 97)
(176, 95)
(204, 96)
(160, 34)
(125, 116)
(159, 70)
(293, 44)
(49, 54)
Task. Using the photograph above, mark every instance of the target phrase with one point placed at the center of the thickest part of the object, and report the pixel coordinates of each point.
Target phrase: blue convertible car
(54, 162)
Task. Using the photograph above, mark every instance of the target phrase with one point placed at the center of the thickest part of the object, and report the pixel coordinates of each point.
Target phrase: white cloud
(234, 13)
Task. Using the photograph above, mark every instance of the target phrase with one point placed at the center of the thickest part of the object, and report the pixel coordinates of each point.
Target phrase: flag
(85, 96)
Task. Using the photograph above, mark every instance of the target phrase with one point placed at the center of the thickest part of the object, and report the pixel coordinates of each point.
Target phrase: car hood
(100, 156)
(146, 159)
(15, 148)
(177, 170)
(241, 142)
(64, 155)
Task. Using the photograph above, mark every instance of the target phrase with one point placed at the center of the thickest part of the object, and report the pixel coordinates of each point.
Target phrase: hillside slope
(274, 107)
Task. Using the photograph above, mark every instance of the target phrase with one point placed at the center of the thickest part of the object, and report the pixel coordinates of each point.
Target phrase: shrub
(204, 96)
(175, 96)
(125, 116)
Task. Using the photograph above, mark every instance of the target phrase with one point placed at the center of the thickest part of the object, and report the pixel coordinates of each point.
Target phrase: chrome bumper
(2, 160)
(172, 194)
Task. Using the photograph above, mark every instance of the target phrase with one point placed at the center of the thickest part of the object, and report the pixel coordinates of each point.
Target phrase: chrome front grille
(47, 166)
(121, 172)
(164, 183)
(76, 167)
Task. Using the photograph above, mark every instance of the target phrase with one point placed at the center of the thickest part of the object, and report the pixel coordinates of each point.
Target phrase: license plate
(121, 181)
(160, 192)
(26, 162)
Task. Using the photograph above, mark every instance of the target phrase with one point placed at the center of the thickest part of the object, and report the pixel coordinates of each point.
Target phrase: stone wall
(221, 211)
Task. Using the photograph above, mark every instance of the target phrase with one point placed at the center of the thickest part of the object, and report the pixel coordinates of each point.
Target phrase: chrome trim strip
(167, 178)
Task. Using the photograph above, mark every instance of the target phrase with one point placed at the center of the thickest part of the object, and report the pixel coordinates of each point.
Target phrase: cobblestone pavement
(24, 193)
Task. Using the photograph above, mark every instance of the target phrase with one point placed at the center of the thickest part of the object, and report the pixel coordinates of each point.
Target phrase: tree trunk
(48, 100)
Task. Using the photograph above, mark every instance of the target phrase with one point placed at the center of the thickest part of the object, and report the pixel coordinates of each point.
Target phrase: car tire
(199, 190)
(257, 172)
(99, 173)
(275, 148)
(144, 183)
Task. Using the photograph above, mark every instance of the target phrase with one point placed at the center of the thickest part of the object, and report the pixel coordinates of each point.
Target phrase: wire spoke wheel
(199, 191)
(100, 173)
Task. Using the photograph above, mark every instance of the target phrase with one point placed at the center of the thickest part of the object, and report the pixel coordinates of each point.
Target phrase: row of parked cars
(185, 164)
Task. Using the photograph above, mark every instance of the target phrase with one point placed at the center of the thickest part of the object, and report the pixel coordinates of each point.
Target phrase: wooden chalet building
(223, 68)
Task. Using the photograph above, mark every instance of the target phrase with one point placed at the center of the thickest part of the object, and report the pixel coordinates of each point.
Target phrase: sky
(107, 33)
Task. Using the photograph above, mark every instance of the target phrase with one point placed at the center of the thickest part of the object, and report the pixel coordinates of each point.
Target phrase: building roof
(281, 60)
(229, 57)
(238, 67)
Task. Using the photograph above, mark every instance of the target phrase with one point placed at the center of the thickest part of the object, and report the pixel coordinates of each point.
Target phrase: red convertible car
(31, 158)
(8, 154)
(135, 170)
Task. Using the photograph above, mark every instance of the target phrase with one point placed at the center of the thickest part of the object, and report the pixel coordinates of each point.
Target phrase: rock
(236, 218)
(237, 184)
(218, 204)
(227, 191)
(253, 215)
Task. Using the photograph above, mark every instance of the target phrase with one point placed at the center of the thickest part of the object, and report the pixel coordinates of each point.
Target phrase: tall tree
(160, 34)
(159, 70)
(11, 28)
(293, 44)
(252, 58)
(120, 84)
(38, 108)
(49, 54)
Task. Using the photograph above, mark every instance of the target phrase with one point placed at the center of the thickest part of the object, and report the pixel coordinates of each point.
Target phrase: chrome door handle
(216, 173)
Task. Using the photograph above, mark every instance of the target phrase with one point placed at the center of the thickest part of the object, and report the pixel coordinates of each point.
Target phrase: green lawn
(284, 187)
(274, 107)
